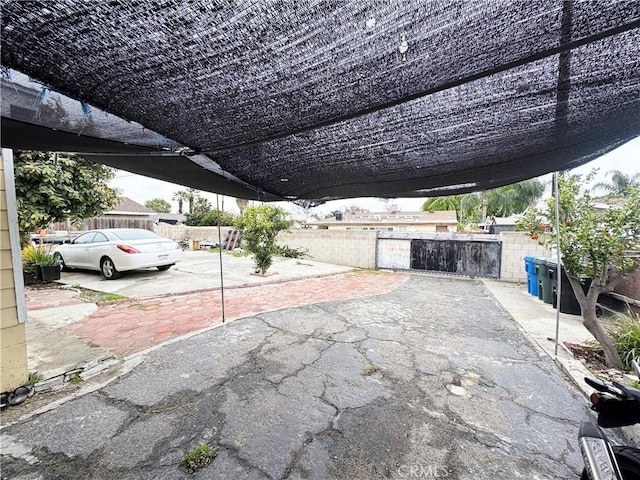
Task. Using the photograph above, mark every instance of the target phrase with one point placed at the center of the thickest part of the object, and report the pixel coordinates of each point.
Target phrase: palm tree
(529, 192)
(499, 202)
(242, 204)
(470, 207)
(620, 183)
(180, 198)
(514, 198)
(188, 195)
(439, 204)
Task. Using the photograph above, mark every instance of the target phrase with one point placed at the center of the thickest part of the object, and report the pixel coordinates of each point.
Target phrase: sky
(140, 189)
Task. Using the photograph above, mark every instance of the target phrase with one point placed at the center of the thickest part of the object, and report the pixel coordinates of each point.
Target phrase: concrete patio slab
(200, 270)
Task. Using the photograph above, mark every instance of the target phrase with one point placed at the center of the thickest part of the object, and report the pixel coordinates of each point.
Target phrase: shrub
(29, 254)
(626, 338)
(531, 224)
(260, 226)
(36, 256)
(288, 252)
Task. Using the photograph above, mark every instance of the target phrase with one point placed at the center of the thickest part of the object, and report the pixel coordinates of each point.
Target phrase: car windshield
(134, 234)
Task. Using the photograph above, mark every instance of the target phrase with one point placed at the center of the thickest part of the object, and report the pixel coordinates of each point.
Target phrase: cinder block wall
(13, 354)
(359, 248)
(341, 247)
(183, 232)
(516, 246)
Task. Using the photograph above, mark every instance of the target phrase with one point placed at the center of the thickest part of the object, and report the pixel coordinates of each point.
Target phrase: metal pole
(558, 266)
(220, 252)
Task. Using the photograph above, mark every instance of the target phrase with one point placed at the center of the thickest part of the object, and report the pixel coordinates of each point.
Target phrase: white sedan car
(113, 251)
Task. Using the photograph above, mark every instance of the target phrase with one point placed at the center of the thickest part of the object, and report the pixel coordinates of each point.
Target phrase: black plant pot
(50, 272)
(29, 278)
(37, 269)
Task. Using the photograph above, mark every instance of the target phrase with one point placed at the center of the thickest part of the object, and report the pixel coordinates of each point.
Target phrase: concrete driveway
(199, 270)
(431, 380)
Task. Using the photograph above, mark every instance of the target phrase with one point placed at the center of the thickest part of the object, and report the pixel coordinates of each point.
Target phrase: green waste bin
(545, 285)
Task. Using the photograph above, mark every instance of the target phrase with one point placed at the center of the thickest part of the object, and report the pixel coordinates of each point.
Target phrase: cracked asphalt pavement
(432, 380)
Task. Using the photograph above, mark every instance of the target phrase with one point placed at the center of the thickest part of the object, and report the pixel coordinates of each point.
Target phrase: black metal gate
(461, 257)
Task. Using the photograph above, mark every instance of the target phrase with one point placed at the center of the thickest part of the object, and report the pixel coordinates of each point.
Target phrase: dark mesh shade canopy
(313, 99)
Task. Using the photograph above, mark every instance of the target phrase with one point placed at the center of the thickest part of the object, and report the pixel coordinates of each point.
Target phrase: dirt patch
(39, 400)
(591, 356)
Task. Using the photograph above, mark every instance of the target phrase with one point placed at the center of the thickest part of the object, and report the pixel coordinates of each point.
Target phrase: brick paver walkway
(130, 326)
(39, 298)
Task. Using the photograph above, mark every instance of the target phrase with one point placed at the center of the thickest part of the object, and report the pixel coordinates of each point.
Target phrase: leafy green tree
(204, 215)
(260, 226)
(198, 209)
(158, 205)
(53, 188)
(596, 245)
(620, 184)
(210, 218)
(226, 218)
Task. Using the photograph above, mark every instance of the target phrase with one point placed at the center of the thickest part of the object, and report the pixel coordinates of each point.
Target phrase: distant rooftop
(130, 206)
(393, 218)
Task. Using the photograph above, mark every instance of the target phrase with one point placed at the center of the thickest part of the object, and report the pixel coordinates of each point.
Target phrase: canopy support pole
(558, 267)
(220, 252)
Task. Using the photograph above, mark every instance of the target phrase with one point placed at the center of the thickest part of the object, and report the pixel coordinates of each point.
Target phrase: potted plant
(29, 265)
(49, 266)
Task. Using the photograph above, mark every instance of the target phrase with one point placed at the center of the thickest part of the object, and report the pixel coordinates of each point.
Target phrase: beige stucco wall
(516, 246)
(341, 247)
(13, 353)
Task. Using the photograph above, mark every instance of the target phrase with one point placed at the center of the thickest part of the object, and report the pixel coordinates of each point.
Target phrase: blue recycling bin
(532, 277)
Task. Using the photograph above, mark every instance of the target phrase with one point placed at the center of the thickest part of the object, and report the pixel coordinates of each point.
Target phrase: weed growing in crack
(95, 296)
(370, 370)
(199, 457)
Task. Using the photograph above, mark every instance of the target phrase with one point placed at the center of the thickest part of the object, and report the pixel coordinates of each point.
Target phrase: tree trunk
(242, 204)
(590, 320)
(180, 206)
(485, 206)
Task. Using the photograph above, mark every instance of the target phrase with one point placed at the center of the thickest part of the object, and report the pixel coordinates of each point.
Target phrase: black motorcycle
(617, 405)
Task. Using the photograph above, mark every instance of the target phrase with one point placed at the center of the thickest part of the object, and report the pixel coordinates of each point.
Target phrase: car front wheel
(108, 269)
(63, 266)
